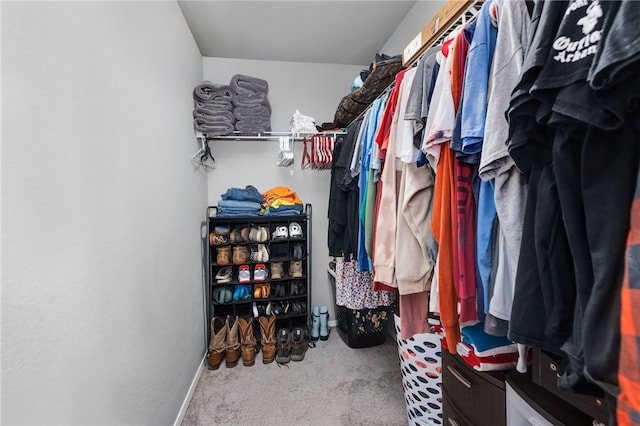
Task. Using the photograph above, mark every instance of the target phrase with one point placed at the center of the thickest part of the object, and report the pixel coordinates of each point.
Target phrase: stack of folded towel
(252, 109)
(213, 109)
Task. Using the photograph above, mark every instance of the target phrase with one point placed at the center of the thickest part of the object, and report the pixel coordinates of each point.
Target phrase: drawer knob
(599, 402)
(553, 367)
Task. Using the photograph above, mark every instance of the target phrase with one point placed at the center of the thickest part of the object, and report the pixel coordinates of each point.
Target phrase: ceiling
(317, 31)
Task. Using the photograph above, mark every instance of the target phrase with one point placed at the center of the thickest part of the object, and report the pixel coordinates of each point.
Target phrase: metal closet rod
(265, 136)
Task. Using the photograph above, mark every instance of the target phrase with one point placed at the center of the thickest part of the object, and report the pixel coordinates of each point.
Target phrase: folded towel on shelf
(214, 115)
(253, 124)
(254, 111)
(246, 84)
(213, 127)
(251, 99)
(302, 124)
(208, 91)
(224, 105)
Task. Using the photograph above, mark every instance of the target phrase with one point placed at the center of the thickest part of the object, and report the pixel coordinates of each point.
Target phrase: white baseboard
(332, 323)
(192, 388)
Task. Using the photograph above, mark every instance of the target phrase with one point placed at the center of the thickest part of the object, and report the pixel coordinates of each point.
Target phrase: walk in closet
(473, 247)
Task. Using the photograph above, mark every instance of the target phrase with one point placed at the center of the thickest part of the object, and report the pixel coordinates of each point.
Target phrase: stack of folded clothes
(252, 109)
(240, 202)
(485, 352)
(213, 109)
(281, 201)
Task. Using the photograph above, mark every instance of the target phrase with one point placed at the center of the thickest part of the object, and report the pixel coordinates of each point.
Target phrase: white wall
(315, 90)
(101, 268)
(419, 15)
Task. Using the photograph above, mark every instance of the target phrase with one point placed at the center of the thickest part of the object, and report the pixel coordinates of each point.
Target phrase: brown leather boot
(268, 343)
(223, 255)
(233, 343)
(249, 346)
(240, 255)
(218, 342)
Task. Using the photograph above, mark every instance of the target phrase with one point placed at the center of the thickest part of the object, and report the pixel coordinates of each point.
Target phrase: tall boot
(315, 324)
(249, 346)
(268, 332)
(233, 343)
(324, 327)
(218, 343)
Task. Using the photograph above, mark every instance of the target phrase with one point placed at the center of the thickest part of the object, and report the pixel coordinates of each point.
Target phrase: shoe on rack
(276, 270)
(283, 352)
(299, 344)
(223, 255)
(260, 272)
(263, 234)
(256, 254)
(297, 251)
(295, 230)
(241, 292)
(224, 275)
(244, 274)
(262, 248)
(218, 240)
(281, 232)
(295, 269)
(240, 254)
(235, 237)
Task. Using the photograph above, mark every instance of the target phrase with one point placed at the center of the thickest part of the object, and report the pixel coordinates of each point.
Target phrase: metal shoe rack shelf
(288, 297)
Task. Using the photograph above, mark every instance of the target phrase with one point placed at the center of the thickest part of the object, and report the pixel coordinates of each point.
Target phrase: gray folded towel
(254, 111)
(246, 84)
(208, 91)
(253, 124)
(224, 105)
(214, 115)
(213, 127)
(247, 99)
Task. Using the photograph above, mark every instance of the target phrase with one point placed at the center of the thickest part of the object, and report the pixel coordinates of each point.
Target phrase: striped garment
(628, 407)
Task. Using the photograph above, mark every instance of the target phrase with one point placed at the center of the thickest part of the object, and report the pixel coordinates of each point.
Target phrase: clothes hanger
(203, 156)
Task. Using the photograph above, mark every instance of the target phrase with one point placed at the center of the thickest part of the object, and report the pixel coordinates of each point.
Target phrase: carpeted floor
(334, 385)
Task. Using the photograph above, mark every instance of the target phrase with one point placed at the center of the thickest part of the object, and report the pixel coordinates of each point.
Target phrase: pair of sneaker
(261, 309)
(260, 273)
(294, 230)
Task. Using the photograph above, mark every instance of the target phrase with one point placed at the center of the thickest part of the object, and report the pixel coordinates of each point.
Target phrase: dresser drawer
(478, 397)
(545, 373)
(450, 414)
